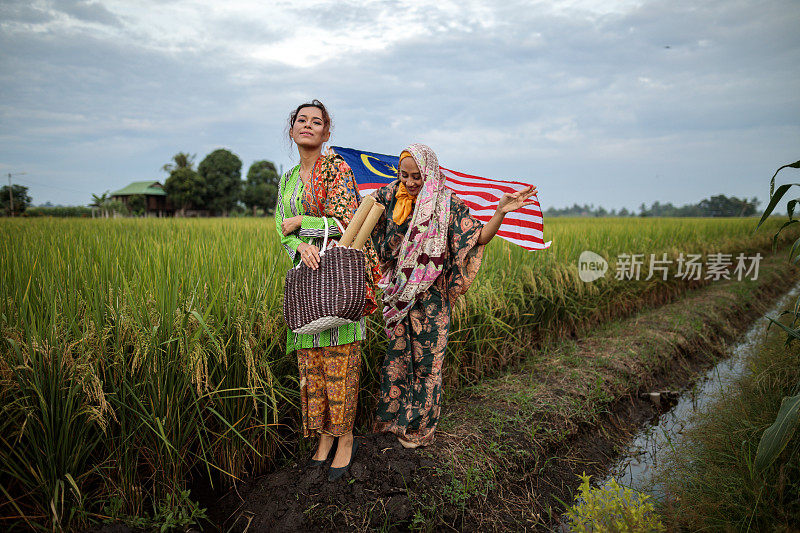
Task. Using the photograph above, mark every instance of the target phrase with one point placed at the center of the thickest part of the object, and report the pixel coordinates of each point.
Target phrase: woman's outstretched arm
(509, 202)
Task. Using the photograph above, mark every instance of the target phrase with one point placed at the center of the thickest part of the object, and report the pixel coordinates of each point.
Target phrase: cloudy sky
(610, 103)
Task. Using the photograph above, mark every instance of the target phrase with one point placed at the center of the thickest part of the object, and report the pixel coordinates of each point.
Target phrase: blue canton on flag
(372, 171)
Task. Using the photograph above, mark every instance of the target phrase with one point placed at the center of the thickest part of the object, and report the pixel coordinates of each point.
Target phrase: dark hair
(326, 117)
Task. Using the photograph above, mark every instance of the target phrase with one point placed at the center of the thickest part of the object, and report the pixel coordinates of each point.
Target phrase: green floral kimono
(411, 374)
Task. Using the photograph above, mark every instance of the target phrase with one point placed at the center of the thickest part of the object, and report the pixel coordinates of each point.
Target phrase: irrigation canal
(640, 463)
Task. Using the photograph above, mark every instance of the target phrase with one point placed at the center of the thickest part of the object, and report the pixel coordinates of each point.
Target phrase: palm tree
(101, 202)
(180, 160)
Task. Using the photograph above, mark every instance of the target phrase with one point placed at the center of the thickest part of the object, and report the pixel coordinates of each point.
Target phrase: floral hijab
(421, 255)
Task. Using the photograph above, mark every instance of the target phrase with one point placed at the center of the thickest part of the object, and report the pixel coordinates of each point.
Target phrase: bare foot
(343, 451)
(407, 444)
(324, 447)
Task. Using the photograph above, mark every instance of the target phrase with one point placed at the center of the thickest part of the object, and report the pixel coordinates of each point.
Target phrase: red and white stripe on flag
(524, 227)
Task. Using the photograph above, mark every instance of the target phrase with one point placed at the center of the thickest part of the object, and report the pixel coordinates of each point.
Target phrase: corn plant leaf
(793, 333)
(773, 201)
(775, 437)
(794, 250)
(777, 233)
(796, 164)
(790, 205)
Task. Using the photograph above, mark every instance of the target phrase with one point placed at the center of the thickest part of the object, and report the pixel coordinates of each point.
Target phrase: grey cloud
(22, 12)
(345, 13)
(88, 11)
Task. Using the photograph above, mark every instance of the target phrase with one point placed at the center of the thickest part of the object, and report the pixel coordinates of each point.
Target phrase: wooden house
(156, 202)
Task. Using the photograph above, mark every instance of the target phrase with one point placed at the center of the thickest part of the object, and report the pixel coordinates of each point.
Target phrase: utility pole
(11, 192)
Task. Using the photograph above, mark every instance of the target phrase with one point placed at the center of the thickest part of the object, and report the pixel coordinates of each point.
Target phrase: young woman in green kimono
(430, 249)
(319, 191)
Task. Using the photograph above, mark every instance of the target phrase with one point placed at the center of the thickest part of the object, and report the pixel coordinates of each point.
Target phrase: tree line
(217, 186)
(214, 188)
(715, 206)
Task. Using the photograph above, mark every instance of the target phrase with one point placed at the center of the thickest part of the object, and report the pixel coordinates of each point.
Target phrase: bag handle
(339, 224)
(324, 242)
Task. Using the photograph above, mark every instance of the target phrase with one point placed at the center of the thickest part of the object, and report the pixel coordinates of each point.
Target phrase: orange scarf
(404, 205)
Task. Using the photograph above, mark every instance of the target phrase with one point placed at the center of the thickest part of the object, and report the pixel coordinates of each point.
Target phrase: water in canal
(641, 458)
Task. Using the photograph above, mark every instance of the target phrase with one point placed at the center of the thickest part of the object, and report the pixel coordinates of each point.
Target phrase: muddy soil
(299, 498)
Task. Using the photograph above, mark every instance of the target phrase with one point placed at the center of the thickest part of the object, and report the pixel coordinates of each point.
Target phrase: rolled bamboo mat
(369, 224)
(358, 220)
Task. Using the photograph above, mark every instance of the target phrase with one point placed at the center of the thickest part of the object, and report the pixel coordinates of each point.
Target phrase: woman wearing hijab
(430, 249)
(329, 362)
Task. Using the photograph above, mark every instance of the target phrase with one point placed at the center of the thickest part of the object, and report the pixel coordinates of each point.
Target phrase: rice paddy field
(140, 357)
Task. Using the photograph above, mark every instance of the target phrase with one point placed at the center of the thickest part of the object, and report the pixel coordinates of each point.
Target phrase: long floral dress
(411, 374)
(329, 361)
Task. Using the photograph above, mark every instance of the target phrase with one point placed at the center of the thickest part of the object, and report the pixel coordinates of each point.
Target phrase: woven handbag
(329, 297)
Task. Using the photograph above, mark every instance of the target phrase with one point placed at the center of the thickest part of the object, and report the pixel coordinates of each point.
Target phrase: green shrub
(59, 211)
(176, 511)
(612, 508)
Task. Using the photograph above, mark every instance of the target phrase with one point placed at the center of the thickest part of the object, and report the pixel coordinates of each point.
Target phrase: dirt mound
(297, 498)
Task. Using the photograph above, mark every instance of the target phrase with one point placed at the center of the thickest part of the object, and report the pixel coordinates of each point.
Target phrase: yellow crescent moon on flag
(365, 160)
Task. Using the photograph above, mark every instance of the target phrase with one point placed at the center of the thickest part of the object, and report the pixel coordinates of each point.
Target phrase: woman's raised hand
(509, 202)
(309, 254)
(290, 225)
(513, 201)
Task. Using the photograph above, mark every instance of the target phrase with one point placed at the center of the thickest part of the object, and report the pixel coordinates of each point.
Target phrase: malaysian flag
(523, 227)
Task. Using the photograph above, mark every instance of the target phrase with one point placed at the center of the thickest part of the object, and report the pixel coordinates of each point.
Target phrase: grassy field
(138, 355)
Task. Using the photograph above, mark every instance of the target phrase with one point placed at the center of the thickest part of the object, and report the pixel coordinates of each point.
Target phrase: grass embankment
(138, 355)
(709, 477)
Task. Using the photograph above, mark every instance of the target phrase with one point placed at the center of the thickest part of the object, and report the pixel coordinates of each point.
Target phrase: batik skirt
(329, 378)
